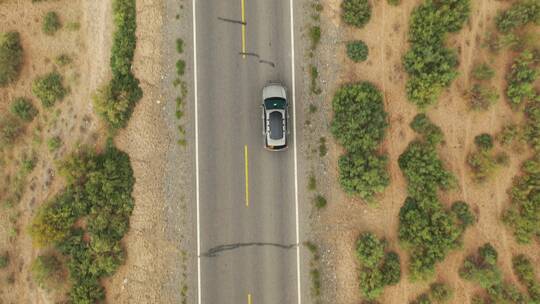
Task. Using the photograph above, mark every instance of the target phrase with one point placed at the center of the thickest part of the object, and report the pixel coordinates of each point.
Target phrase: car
(275, 116)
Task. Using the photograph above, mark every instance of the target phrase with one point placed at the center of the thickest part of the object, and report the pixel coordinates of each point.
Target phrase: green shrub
(424, 171)
(365, 175)
(422, 125)
(523, 216)
(47, 270)
(51, 23)
(431, 66)
(378, 269)
(23, 109)
(315, 36)
(484, 164)
(102, 195)
(532, 127)
(319, 201)
(11, 57)
(123, 92)
(359, 125)
(179, 45)
(428, 232)
(483, 71)
(356, 12)
(484, 141)
(518, 15)
(525, 272)
(483, 270)
(357, 50)
(440, 292)
(510, 134)
(422, 299)
(481, 97)
(369, 249)
(54, 143)
(63, 60)
(462, 212)
(359, 121)
(391, 269)
(180, 67)
(53, 221)
(520, 79)
(49, 89)
(4, 260)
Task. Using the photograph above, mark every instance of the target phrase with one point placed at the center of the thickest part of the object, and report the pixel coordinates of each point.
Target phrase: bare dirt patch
(337, 227)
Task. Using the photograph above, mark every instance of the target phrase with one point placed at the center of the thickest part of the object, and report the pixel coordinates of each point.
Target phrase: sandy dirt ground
(337, 227)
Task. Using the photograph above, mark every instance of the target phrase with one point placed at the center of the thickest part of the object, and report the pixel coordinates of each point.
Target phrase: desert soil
(337, 227)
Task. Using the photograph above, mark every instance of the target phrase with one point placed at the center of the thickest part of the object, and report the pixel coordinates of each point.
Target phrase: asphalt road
(248, 247)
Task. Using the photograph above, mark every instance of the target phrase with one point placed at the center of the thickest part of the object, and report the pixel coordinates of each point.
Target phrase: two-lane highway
(246, 196)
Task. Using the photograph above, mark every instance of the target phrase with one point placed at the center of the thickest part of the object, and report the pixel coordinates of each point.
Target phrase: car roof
(276, 125)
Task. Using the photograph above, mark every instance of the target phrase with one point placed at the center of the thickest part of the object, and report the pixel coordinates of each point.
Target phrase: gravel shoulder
(159, 245)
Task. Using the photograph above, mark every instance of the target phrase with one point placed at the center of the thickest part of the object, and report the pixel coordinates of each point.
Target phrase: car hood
(274, 90)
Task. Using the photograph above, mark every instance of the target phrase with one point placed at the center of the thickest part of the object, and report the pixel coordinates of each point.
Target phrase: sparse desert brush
(10, 57)
(47, 271)
(49, 89)
(356, 12)
(23, 108)
(10, 129)
(482, 97)
(51, 23)
(483, 71)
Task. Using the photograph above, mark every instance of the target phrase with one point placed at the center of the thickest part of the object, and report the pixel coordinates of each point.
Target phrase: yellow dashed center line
(247, 174)
(243, 29)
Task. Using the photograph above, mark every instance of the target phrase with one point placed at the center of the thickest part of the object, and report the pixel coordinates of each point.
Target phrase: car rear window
(276, 125)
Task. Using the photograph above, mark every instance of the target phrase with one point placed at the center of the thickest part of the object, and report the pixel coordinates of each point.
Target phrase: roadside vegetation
(356, 12)
(379, 267)
(357, 50)
(314, 34)
(314, 272)
(115, 101)
(426, 229)
(430, 65)
(11, 57)
(359, 125)
(98, 191)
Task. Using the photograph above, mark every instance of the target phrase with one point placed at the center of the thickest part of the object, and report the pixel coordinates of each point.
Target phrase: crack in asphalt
(270, 63)
(231, 20)
(213, 252)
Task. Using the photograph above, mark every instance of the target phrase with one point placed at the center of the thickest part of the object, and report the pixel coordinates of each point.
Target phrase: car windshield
(276, 125)
(274, 103)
